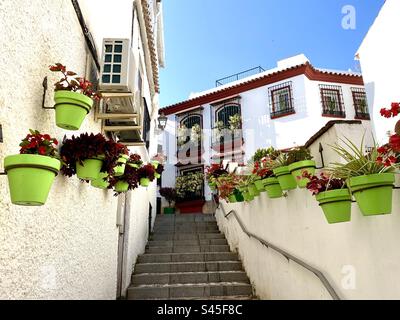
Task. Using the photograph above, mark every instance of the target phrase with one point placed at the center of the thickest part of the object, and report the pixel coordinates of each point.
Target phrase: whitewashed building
(380, 64)
(282, 107)
(84, 242)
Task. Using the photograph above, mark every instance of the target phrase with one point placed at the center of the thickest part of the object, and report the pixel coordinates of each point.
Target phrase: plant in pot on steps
(31, 173)
(282, 173)
(116, 157)
(74, 97)
(213, 172)
(369, 176)
(268, 181)
(300, 160)
(170, 195)
(333, 196)
(228, 188)
(84, 156)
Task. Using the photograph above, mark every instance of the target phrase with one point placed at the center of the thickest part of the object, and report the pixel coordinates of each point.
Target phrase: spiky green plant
(358, 162)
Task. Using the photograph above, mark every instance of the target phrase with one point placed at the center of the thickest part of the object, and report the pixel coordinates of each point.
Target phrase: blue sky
(209, 39)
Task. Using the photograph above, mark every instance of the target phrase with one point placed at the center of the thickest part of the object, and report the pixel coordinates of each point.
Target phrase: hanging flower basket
(298, 168)
(101, 182)
(285, 178)
(120, 168)
(89, 169)
(144, 182)
(273, 188)
(30, 178)
(373, 193)
(71, 109)
(121, 186)
(336, 205)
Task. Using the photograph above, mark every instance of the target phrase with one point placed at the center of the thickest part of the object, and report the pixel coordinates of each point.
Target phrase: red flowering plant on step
(323, 183)
(41, 144)
(263, 168)
(71, 82)
(215, 171)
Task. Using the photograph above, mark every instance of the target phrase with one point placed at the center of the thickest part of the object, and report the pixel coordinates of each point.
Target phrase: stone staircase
(188, 258)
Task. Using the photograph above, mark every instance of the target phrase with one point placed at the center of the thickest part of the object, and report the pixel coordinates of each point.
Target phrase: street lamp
(162, 121)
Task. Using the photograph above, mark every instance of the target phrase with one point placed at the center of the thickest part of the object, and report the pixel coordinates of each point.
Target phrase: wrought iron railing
(325, 282)
(238, 76)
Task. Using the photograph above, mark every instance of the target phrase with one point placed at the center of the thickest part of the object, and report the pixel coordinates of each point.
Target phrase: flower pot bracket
(45, 87)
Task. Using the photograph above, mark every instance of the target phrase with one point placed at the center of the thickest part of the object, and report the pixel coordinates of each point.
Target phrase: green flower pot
(273, 188)
(239, 197)
(157, 175)
(285, 178)
(247, 196)
(90, 169)
(133, 165)
(373, 193)
(100, 183)
(253, 190)
(232, 198)
(119, 170)
(144, 182)
(155, 164)
(168, 210)
(121, 186)
(336, 205)
(297, 169)
(30, 178)
(260, 185)
(71, 109)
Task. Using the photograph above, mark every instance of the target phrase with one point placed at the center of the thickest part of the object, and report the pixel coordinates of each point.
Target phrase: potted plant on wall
(228, 188)
(31, 173)
(369, 177)
(282, 173)
(84, 156)
(213, 172)
(333, 196)
(146, 175)
(300, 160)
(74, 97)
(116, 156)
(128, 181)
(170, 195)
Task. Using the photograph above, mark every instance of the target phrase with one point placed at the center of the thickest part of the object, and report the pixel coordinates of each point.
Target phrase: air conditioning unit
(117, 65)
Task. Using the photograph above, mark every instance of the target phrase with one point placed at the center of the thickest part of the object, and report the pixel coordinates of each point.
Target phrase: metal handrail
(287, 255)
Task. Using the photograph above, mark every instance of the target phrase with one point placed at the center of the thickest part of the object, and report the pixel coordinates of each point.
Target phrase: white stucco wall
(379, 58)
(366, 247)
(68, 248)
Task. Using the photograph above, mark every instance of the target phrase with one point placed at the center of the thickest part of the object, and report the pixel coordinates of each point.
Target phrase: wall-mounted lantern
(162, 121)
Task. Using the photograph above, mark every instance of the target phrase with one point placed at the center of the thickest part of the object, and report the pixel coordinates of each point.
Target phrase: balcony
(238, 76)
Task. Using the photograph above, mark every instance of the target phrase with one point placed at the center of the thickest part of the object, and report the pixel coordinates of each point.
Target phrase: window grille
(360, 103)
(332, 101)
(281, 100)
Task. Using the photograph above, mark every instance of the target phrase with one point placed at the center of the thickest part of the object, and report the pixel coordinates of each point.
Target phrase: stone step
(176, 243)
(172, 224)
(202, 290)
(186, 217)
(185, 229)
(189, 277)
(171, 267)
(188, 249)
(187, 257)
(186, 236)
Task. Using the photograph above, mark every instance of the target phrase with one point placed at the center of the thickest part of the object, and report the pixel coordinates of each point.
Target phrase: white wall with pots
(68, 248)
(359, 258)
